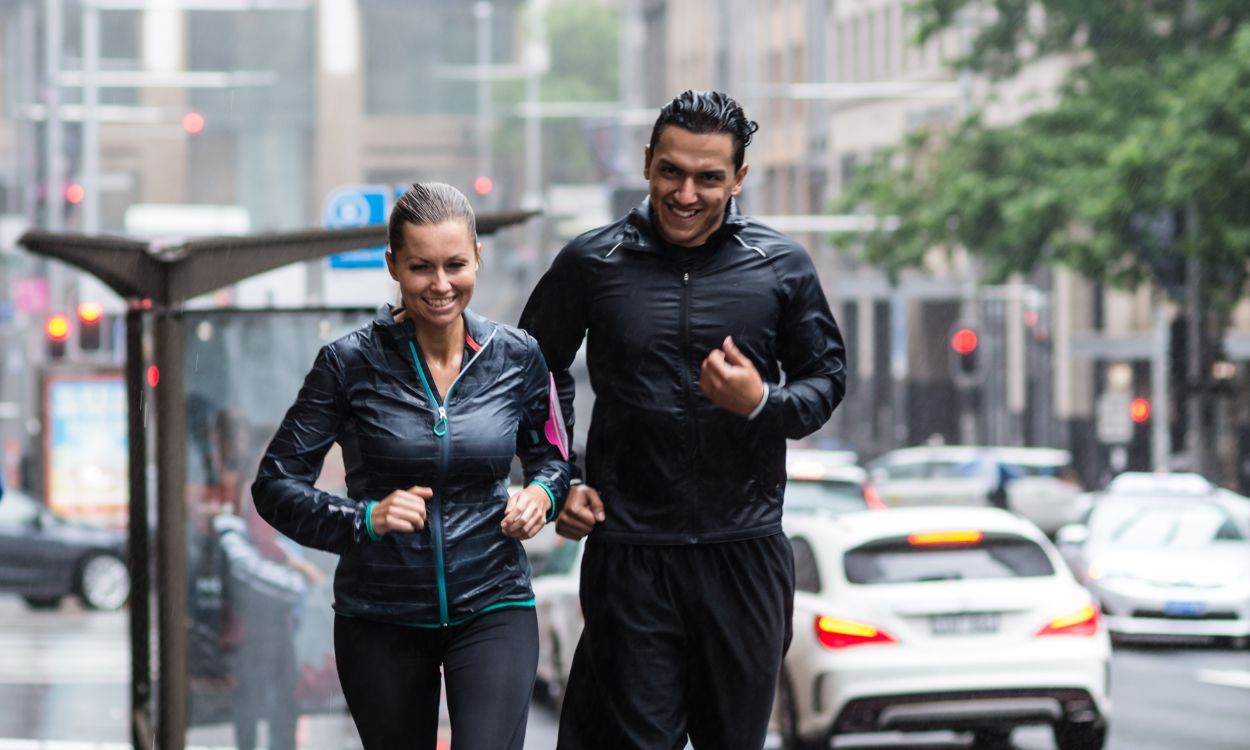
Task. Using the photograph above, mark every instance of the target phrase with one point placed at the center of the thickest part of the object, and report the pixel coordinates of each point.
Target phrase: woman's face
(436, 269)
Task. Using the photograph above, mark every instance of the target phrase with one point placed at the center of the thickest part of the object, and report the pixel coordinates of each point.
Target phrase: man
(691, 312)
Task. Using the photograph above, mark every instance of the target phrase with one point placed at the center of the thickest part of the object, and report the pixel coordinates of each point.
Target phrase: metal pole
(54, 199)
(140, 586)
(171, 558)
(483, 11)
(1160, 434)
(90, 126)
(28, 167)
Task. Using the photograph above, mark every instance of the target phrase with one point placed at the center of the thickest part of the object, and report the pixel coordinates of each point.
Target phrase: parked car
(44, 557)
(829, 481)
(559, 613)
(1037, 483)
(961, 619)
(1167, 566)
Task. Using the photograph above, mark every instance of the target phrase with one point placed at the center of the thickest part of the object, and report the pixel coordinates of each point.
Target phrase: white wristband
(760, 406)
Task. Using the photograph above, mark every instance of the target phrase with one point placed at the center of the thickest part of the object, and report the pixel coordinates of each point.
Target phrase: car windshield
(561, 559)
(899, 561)
(15, 508)
(1147, 523)
(838, 496)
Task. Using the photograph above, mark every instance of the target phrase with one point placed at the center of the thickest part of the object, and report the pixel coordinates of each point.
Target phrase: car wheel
(991, 739)
(786, 718)
(1087, 736)
(42, 602)
(104, 582)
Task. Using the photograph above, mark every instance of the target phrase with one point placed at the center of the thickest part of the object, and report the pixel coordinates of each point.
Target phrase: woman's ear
(478, 254)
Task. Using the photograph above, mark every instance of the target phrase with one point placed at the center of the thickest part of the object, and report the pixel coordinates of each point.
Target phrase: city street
(63, 686)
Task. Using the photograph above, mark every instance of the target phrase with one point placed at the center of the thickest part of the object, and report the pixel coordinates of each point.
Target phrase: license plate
(1185, 609)
(964, 623)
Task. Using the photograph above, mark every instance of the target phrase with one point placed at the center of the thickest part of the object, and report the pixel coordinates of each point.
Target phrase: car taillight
(1084, 621)
(835, 633)
(872, 499)
(967, 536)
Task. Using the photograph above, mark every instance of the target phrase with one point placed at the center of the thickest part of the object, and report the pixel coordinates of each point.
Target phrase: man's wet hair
(705, 112)
(427, 204)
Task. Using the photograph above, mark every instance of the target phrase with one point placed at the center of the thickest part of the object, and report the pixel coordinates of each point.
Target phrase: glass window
(806, 571)
(1143, 523)
(838, 496)
(898, 561)
(17, 509)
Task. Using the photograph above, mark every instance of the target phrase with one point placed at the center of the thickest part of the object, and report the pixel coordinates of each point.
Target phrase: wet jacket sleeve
(555, 315)
(539, 437)
(811, 352)
(283, 492)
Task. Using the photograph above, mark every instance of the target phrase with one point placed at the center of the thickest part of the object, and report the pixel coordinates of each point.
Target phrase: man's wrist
(760, 406)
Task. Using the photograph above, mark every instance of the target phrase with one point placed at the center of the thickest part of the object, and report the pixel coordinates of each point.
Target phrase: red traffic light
(1139, 410)
(483, 185)
(57, 328)
(74, 193)
(193, 123)
(153, 375)
(964, 341)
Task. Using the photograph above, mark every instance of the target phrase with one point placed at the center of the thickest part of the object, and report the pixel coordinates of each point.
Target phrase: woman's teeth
(443, 302)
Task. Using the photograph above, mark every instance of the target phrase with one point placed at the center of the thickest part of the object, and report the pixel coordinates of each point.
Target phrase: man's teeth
(444, 302)
(684, 214)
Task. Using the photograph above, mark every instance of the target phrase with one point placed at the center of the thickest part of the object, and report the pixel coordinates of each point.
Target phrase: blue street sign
(358, 206)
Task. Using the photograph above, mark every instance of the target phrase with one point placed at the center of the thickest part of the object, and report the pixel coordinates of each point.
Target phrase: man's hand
(582, 510)
(526, 512)
(402, 510)
(731, 380)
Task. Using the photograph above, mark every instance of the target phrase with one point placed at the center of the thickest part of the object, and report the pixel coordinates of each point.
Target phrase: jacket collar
(478, 327)
(638, 229)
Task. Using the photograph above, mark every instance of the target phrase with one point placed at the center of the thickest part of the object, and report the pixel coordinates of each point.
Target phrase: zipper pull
(440, 425)
(685, 279)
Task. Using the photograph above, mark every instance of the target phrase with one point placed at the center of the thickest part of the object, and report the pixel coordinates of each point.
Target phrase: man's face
(691, 179)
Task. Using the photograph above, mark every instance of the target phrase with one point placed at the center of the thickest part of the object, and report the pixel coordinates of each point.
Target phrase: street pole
(483, 11)
(1160, 435)
(54, 205)
(90, 125)
(1195, 377)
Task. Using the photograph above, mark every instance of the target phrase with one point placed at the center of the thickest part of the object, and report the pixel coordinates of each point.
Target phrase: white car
(1167, 565)
(559, 613)
(962, 619)
(827, 481)
(1037, 482)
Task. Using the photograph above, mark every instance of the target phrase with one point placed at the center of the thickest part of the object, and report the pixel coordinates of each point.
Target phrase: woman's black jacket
(370, 392)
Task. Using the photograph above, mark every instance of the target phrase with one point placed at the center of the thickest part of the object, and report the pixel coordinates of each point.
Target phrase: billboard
(86, 456)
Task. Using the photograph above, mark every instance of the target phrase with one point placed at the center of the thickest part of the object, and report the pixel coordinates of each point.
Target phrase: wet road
(64, 679)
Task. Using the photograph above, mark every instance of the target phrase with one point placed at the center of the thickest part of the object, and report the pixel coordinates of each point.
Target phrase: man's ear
(739, 176)
(646, 162)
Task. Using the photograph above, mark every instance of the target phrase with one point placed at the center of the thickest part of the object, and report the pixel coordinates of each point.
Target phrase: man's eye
(668, 170)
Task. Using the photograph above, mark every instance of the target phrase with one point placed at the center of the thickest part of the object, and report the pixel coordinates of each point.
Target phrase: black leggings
(390, 678)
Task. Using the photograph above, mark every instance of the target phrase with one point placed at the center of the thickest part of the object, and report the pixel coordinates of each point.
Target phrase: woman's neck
(440, 344)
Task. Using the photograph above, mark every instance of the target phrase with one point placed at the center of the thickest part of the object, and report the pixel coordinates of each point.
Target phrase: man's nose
(686, 192)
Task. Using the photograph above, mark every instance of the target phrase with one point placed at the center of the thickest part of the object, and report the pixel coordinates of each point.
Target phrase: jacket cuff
(760, 406)
(551, 496)
(368, 513)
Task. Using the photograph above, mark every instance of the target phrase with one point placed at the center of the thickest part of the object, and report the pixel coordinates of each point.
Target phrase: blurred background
(1030, 217)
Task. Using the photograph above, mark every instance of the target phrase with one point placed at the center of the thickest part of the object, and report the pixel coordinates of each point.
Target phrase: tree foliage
(1154, 116)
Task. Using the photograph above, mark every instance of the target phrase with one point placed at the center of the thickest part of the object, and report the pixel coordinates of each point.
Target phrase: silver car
(1167, 567)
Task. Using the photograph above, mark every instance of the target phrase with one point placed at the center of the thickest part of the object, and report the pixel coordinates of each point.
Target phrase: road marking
(1225, 677)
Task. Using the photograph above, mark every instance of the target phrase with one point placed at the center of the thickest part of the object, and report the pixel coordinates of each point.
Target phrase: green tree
(1153, 118)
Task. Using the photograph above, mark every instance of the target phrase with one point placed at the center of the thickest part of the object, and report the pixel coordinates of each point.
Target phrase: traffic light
(90, 315)
(57, 331)
(1139, 410)
(483, 185)
(965, 364)
(193, 123)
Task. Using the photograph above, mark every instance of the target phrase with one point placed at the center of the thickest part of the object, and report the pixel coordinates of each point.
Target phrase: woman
(429, 402)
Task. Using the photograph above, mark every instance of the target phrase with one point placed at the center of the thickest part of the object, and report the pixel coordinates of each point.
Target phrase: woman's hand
(402, 510)
(526, 512)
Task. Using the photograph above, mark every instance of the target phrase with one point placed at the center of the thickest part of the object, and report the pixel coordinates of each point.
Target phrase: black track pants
(390, 678)
(679, 641)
